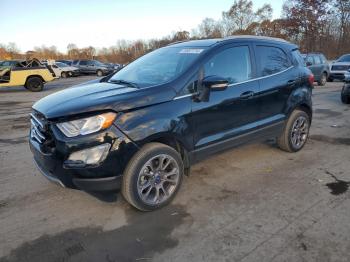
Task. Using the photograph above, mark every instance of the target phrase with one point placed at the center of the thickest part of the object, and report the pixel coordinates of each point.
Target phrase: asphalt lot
(253, 203)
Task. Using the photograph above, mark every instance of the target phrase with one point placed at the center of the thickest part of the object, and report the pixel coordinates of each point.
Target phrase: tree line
(314, 25)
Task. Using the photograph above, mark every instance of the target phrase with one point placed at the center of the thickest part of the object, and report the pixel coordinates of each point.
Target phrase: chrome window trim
(246, 81)
(183, 96)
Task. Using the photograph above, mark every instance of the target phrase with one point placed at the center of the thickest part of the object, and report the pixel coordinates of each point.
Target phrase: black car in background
(92, 67)
(345, 93)
(140, 129)
(319, 66)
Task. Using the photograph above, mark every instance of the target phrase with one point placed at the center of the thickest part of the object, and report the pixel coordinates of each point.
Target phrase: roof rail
(255, 37)
(178, 42)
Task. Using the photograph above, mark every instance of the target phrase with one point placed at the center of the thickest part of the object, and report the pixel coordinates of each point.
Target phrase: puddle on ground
(147, 233)
(339, 186)
(327, 112)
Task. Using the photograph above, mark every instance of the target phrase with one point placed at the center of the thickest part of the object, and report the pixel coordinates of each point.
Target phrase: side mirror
(308, 63)
(215, 83)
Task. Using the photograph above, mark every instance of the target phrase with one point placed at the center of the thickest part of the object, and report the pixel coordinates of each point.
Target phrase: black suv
(92, 67)
(141, 129)
(319, 66)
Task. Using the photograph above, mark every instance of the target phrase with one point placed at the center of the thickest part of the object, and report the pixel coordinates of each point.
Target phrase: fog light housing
(90, 156)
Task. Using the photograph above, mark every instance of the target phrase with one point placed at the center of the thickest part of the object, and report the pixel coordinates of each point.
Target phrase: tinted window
(272, 60)
(298, 58)
(309, 59)
(344, 58)
(83, 63)
(232, 64)
(317, 60)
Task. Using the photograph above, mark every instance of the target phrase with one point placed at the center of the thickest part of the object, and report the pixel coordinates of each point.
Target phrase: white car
(339, 68)
(63, 70)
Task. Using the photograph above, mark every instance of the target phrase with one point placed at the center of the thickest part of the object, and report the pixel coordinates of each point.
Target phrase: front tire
(64, 75)
(295, 132)
(34, 84)
(153, 177)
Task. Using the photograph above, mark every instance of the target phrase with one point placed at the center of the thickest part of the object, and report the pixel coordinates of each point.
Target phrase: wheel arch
(30, 76)
(300, 99)
(174, 142)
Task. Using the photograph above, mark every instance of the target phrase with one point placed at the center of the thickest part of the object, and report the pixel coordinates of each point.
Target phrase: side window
(91, 63)
(232, 64)
(272, 60)
(309, 59)
(323, 59)
(317, 60)
(298, 58)
(83, 63)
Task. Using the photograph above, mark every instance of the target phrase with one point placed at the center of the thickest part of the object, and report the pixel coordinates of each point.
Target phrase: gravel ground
(253, 203)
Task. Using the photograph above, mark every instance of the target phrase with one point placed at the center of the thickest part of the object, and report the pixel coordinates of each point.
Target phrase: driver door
(229, 113)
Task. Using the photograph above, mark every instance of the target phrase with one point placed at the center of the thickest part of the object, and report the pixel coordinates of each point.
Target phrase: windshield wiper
(124, 82)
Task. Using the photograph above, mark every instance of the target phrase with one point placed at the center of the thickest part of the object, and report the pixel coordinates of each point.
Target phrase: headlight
(87, 125)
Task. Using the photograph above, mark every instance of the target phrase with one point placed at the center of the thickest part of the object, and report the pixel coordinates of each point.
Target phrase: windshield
(344, 58)
(158, 67)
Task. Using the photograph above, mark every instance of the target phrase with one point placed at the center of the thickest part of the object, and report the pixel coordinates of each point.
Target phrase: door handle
(246, 95)
(291, 82)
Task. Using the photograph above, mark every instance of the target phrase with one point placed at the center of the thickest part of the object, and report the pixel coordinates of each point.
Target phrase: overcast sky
(101, 23)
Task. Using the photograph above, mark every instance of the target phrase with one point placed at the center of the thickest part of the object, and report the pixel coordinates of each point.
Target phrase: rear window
(272, 60)
(298, 58)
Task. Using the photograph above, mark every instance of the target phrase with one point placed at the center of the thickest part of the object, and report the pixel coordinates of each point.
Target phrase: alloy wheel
(299, 132)
(158, 179)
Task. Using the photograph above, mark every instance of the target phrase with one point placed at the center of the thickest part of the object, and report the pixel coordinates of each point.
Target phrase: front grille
(38, 127)
(340, 67)
(40, 131)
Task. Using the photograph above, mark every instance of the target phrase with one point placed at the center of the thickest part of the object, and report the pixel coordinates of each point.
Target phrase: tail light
(311, 79)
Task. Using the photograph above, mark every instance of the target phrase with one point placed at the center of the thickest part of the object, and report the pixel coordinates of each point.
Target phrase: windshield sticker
(191, 51)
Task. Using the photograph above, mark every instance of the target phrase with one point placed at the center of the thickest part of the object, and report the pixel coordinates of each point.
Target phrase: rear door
(278, 77)
(92, 66)
(318, 66)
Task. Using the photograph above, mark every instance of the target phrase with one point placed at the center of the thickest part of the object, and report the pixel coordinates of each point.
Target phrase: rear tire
(99, 73)
(153, 177)
(295, 132)
(345, 96)
(34, 84)
(323, 79)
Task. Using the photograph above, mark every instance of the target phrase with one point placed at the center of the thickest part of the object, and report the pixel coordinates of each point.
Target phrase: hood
(100, 96)
(341, 63)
